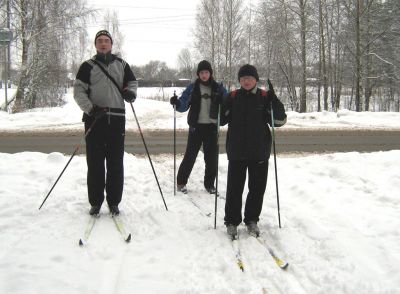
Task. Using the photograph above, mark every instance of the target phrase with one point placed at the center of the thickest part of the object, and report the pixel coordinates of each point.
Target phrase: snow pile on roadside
(344, 119)
(159, 115)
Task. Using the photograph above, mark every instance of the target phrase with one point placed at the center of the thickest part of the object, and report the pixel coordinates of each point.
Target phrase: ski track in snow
(339, 212)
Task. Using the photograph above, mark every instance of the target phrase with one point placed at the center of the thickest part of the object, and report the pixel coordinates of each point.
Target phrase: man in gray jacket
(101, 98)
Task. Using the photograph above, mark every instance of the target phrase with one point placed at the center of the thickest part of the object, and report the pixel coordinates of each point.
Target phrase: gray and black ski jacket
(92, 86)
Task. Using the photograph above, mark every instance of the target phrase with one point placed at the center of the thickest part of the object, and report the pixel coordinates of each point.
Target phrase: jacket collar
(252, 91)
(105, 58)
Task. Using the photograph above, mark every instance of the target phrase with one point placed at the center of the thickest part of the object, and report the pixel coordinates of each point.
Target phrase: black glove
(128, 95)
(174, 100)
(97, 112)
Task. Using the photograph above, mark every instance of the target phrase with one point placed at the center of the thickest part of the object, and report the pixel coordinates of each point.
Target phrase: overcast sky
(153, 29)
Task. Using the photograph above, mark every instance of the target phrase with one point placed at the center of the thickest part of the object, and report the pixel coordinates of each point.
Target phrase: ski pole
(276, 169)
(216, 177)
(73, 154)
(148, 154)
(174, 147)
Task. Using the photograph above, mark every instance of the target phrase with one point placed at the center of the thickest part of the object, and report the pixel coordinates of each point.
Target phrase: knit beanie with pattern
(103, 33)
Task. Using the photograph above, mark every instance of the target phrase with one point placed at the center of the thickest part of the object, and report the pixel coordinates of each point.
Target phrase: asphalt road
(287, 141)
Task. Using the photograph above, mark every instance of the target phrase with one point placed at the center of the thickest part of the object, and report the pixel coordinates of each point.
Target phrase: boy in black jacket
(248, 145)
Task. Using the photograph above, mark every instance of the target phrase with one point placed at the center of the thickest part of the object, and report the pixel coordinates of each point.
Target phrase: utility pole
(5, 39)
(9, 43)
(7, 65)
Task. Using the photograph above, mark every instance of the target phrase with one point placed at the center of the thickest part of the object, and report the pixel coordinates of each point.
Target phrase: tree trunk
(323, 58)
(358, 72)
(23, 80)
(303, 93)
(368, 84)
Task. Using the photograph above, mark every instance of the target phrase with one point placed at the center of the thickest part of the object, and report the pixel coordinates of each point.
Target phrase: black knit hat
(248, 70)
(204, 65)
(103, 33)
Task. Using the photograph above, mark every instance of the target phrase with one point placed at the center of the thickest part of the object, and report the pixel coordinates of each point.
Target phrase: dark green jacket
(248, 114)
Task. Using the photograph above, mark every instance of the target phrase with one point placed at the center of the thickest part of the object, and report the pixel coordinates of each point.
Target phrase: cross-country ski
(279, 262)
(88, 229)
(119, 225)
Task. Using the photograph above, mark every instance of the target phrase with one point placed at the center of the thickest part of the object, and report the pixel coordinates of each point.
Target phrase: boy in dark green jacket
(248, 144)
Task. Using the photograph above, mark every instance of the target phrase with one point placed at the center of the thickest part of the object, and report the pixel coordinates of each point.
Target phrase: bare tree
(278, 39)
(44, 29)
(111, 24)
(219, 36)
(233, 30)
(185, 63)
(350, 45)
(208, 32)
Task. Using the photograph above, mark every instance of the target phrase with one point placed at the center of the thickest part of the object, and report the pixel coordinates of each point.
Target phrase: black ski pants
(105, 142)
(257, 182)
(206, 135)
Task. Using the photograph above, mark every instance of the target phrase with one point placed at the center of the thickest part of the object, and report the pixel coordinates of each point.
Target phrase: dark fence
(167, 83)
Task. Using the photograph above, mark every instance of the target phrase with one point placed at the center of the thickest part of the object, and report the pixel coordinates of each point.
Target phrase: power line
(180, 22)
(139, 42)
(143, 7)
(155, 21)
(149, 26)
(184, 16)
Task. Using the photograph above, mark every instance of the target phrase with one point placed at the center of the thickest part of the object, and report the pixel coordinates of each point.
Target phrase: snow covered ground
(340, 219)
